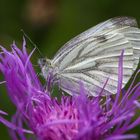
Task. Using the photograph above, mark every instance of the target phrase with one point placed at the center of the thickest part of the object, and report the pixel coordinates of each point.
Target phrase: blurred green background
(51, 23)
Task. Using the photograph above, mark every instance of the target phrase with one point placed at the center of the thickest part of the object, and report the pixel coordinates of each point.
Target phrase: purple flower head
(72, 118)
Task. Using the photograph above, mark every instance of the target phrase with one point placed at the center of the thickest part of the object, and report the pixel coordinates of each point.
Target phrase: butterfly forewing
(93, 56)
(94, 31)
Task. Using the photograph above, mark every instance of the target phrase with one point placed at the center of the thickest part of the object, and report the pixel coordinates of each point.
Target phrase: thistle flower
(71, 118)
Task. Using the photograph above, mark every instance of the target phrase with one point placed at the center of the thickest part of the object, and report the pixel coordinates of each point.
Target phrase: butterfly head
(46, 66)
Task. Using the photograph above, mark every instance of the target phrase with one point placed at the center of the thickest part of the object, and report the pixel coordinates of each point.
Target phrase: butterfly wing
(93, 56)
(94, 31)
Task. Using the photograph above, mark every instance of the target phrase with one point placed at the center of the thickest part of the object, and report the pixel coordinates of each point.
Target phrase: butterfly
(93, 56)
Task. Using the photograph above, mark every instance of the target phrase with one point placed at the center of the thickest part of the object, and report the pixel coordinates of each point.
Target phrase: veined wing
(117, 22)
(93, 57)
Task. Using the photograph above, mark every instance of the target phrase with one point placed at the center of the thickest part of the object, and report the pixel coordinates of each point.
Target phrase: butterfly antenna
(26, 36)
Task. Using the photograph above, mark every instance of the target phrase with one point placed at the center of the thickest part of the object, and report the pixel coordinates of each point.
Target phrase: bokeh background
(51, 23)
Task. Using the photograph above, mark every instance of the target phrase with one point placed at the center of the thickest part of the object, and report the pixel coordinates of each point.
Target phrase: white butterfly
(93, 56)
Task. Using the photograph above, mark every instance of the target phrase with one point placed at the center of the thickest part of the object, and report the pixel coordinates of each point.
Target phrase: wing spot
(101, 38)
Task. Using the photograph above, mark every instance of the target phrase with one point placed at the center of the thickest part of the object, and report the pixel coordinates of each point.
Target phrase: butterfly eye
(42, 62)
